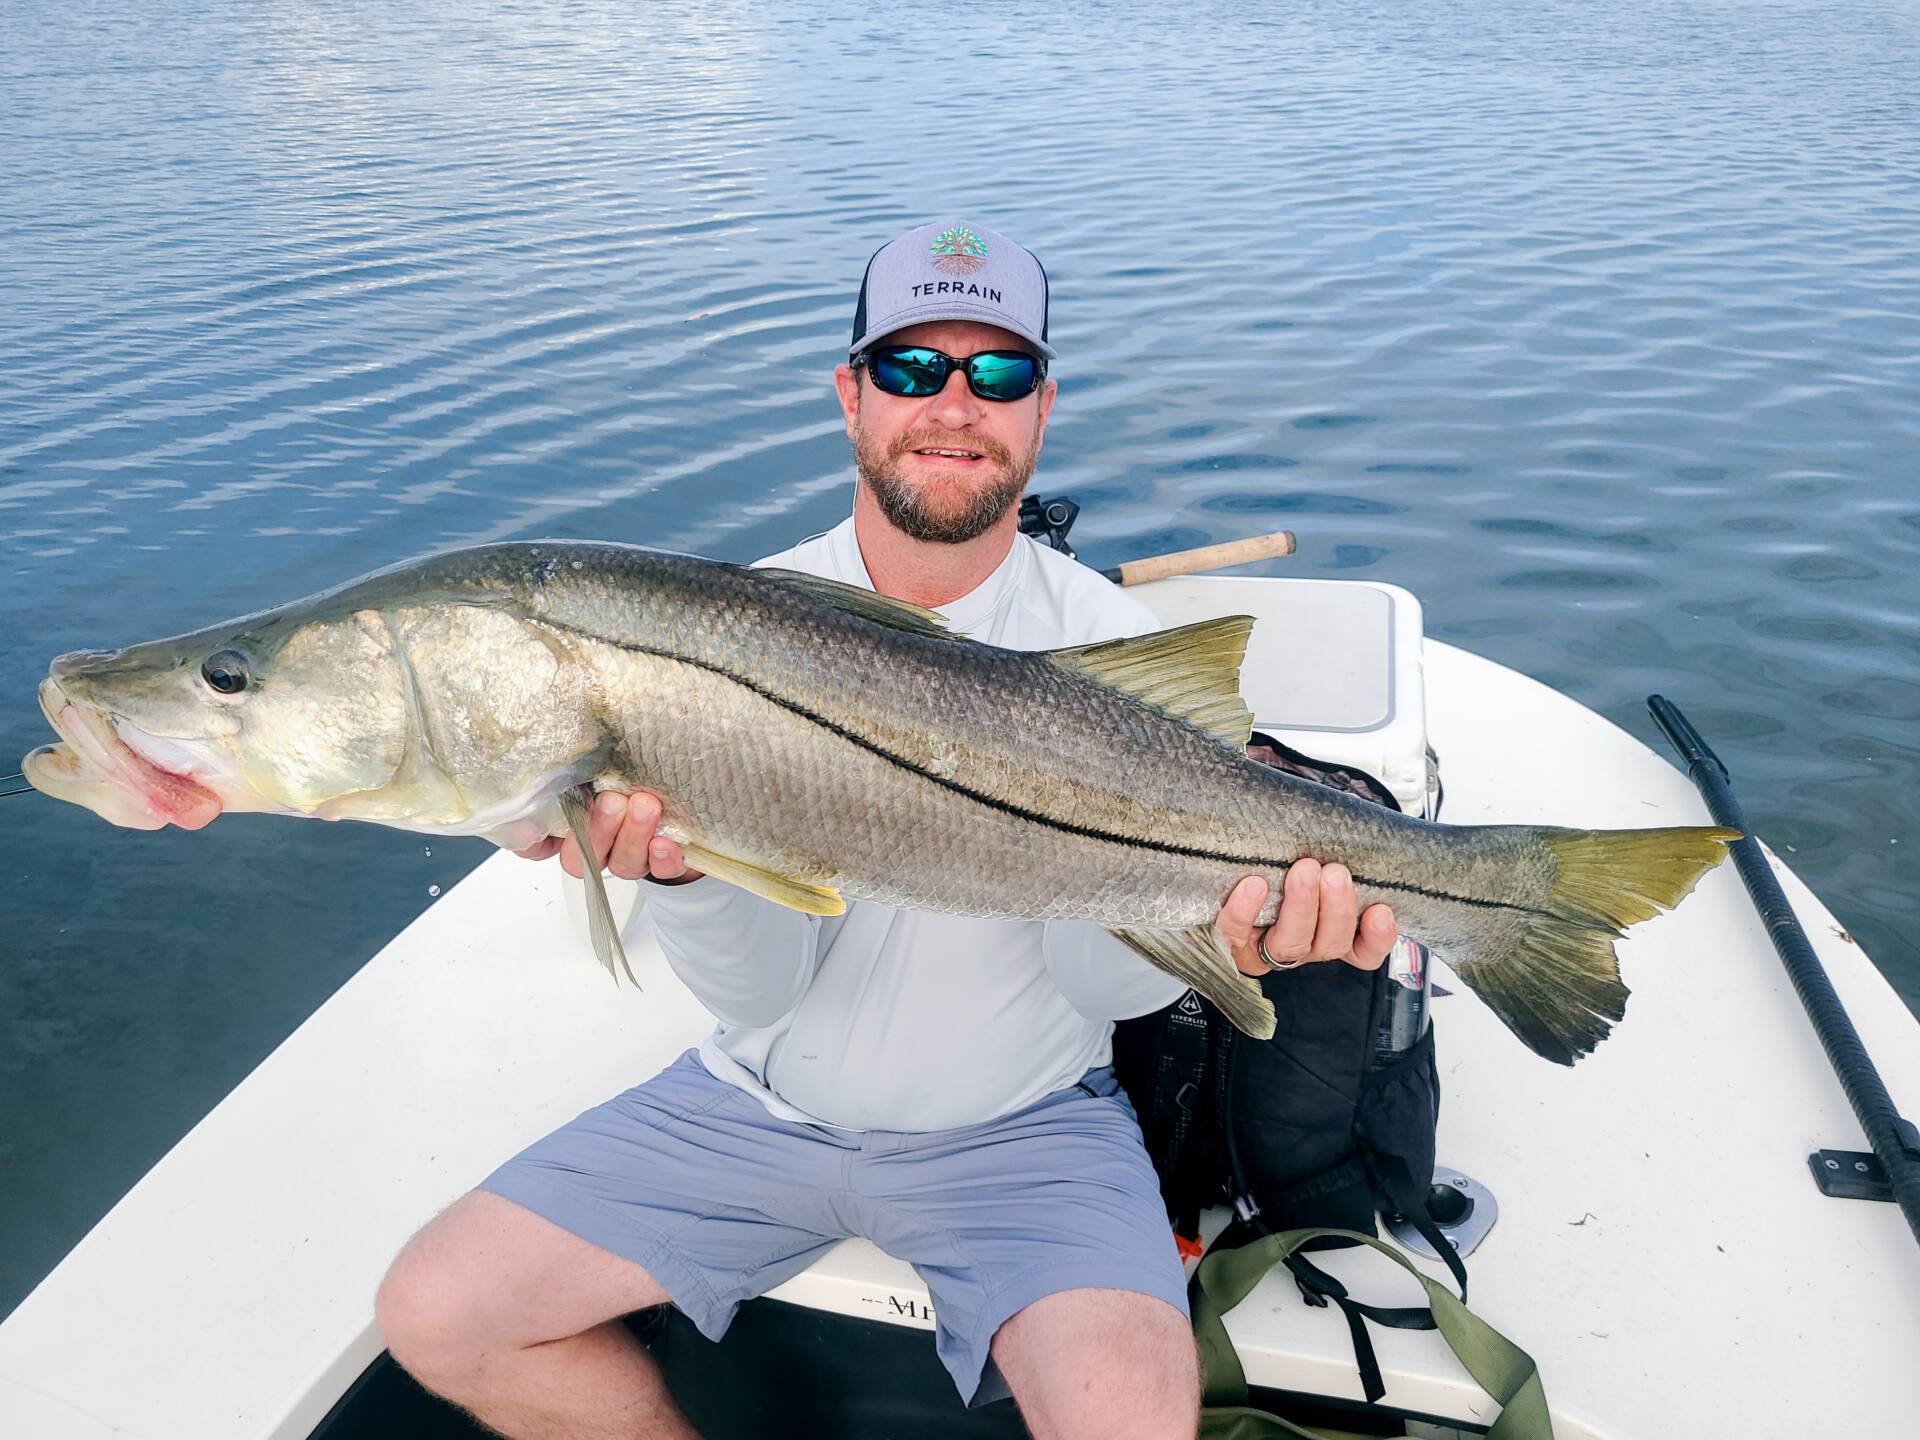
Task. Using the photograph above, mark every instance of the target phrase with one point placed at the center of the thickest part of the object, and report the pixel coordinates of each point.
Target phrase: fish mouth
(95, 766)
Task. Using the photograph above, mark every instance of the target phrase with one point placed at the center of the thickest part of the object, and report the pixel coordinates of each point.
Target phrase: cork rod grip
(1207, 557)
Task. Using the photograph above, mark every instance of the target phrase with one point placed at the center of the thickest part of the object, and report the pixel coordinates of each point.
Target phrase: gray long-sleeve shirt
(891, 1019)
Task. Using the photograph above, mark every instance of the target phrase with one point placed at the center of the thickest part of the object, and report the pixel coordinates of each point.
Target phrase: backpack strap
(1390, 1174)
(1226, 1277)
(1396, 1182)
(1180, 1113)
(1317, 1288)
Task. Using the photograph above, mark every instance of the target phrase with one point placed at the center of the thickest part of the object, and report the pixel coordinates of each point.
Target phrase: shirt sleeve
(1102, 978)
(746, 959)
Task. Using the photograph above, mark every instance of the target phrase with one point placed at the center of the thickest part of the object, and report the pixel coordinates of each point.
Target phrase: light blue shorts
(691, 1179)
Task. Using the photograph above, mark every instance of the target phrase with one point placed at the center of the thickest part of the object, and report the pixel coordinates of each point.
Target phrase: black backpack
(1304, 1130)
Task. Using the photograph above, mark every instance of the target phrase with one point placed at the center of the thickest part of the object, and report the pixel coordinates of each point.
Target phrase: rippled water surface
(1598, 327)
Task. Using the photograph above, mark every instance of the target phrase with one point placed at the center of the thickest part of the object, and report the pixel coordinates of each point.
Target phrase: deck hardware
(1850, 1175)
(1463, 1210)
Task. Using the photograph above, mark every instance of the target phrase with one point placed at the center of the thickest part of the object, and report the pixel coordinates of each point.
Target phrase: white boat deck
(1661, 1249)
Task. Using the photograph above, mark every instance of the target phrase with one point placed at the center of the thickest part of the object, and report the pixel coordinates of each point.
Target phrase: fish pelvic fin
(1559, 988)
(1197, 957)
(794, 894)
(600, 927)
(1192, 673)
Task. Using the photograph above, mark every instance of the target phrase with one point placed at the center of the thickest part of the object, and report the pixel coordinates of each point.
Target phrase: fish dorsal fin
(881, 609)
(1192, 672)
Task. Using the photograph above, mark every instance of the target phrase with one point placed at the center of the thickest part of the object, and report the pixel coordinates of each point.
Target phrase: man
(936, 1083)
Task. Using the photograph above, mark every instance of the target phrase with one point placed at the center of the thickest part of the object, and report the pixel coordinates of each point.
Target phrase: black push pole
(1893, 1137)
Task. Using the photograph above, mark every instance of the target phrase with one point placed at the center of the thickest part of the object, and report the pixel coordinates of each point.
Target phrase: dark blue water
(1598, 327)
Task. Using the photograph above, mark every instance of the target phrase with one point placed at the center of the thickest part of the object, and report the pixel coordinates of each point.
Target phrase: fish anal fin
(600, 926)
(794, 894)
(881, 609)
(1197, 957)
(1192, 672)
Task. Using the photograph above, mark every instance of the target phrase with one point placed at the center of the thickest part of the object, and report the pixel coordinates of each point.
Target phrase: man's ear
(846, 384)
(1047, 389)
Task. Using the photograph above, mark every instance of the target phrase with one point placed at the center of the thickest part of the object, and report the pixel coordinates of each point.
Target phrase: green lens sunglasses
(917, 371)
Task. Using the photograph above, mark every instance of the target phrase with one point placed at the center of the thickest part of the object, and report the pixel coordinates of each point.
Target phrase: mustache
(945, 440)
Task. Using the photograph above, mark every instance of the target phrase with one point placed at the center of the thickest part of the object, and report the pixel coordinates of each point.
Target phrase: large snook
(813, 743)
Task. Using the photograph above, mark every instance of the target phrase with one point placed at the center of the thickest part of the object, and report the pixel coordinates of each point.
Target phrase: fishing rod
(1049, 520)
(1895, 1141)
(1206, 557)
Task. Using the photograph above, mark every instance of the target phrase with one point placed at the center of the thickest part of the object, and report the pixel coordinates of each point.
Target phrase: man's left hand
(1318, 920)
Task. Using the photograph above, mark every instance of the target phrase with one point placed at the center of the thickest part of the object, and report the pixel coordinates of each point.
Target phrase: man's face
(989, 446)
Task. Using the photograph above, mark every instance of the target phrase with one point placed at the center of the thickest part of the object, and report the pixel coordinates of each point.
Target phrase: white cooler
(1333, 668)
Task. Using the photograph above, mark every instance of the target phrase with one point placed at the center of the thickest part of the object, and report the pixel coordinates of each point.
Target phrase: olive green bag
(1226, 1277)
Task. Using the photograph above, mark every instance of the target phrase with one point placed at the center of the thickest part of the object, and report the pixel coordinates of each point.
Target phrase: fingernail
(1336, 875)
(608, 803)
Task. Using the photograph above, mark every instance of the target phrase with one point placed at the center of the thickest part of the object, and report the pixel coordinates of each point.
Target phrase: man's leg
(1113, 1364)
(682, 1188)
(1045, 1248)
(517, 1321)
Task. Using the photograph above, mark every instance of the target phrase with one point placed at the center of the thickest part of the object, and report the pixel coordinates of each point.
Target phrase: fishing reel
(1049, 520)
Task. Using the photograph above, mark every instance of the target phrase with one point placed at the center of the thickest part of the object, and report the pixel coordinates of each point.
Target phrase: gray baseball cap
(951, 270)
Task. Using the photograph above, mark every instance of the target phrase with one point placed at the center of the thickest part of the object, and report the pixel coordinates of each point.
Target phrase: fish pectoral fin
(794, 894)
(605, 934)
(881, 609)
(1197, 957)
(1192, 673)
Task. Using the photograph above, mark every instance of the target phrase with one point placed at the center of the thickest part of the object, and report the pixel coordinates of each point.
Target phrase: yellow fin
(1196, 957)
(794, 894)
(1559, 987)
(1192, 672)
(881, 609)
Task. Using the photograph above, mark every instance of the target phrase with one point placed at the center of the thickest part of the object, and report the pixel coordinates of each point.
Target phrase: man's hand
(621, 828)
(1316, 921)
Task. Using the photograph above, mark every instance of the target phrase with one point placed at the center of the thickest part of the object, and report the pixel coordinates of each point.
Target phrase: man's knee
(487, 1277)
(420, 1314)
(441, 1305)
(1105, 1363)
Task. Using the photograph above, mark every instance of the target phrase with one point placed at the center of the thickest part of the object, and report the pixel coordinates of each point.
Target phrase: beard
(944, 510)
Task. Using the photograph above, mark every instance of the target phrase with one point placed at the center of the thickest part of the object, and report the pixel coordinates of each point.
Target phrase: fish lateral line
(1007, 808)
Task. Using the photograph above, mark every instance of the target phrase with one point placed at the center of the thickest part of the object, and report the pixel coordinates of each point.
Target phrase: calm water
(1598, 328)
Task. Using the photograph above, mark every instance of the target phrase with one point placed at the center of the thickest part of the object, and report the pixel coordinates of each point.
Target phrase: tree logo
(958, 251)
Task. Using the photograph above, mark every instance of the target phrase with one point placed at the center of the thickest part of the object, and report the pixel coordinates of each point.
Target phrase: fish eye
(227, 672)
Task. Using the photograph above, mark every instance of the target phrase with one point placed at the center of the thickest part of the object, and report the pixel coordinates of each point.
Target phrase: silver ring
(1268, 960)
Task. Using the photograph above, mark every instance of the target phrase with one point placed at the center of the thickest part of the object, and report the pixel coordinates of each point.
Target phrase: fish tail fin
(600, 927)
(1197, 957)
(1558, 988)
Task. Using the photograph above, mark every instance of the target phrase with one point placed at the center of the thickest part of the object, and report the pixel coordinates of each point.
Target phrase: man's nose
(956, 406)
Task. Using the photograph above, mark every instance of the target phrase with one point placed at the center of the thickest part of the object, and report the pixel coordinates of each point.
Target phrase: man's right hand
(621, 829)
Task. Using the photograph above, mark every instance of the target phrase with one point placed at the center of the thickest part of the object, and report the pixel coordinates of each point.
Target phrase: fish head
(289, 712)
